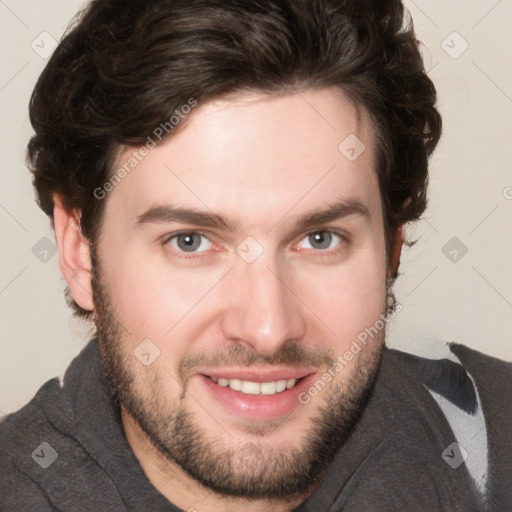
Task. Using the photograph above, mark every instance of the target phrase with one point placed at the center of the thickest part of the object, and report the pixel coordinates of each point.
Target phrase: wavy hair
(125, 66)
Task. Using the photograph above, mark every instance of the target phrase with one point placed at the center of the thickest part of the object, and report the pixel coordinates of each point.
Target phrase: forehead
(245, 155)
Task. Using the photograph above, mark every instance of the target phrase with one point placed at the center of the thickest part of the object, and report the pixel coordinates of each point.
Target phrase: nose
(262, 311)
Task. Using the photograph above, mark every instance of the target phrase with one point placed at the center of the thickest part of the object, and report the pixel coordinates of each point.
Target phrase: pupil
(321, 240)
(188, 242)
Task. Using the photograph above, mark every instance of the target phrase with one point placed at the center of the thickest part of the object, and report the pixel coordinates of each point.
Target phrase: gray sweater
(66, 450)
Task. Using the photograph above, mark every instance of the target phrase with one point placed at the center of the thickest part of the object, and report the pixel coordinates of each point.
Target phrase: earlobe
(74, 254)
(396, 251)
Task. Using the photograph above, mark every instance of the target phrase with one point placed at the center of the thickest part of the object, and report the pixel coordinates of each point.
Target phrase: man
(228, 182)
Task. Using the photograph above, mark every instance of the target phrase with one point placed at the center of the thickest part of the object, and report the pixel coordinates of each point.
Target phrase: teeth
(268, 388)
(235, 384)
(256, 388)
(250, 388)
(280, 385)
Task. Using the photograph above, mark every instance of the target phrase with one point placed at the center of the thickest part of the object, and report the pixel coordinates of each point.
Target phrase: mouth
(256, 396)
(256, 388)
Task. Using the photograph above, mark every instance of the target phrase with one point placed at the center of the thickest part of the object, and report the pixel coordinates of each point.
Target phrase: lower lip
(258, 407)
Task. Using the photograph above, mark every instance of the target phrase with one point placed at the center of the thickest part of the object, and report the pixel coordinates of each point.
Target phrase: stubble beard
(255, 470)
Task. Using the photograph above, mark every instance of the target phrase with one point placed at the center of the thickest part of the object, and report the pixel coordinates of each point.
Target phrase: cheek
(349, 299)
(154, 301)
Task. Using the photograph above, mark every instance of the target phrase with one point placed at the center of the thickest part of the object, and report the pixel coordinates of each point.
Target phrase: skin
(263, 163)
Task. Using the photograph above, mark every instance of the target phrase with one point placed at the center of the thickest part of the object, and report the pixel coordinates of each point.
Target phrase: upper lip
(258, 374)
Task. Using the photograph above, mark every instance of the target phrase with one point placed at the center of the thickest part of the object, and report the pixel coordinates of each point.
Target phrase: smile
(256, 388)
(253, 394)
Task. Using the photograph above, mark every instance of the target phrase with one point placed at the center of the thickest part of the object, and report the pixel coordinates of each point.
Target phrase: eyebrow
(162, 214)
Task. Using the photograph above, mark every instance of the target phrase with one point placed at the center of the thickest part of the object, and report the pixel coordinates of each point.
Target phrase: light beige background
(471, 197)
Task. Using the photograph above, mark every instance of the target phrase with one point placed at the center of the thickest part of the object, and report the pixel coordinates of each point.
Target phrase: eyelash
(183, 254)
(343, 240)
(327, 252)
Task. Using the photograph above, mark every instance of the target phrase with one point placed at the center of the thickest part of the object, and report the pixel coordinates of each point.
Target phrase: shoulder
(474, 392)
(19, 430)
(27, 441)
(48, 452)
(43, 464)
(458, 373)
(480, 363)
(493, 380)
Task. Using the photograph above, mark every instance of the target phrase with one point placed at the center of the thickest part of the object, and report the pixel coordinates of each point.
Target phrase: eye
(190, 241)
(320, 240)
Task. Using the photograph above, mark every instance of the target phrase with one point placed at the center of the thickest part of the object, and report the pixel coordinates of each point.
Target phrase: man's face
(250, 250)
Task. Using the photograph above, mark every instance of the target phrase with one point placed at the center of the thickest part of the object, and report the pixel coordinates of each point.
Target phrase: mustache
(289, 354)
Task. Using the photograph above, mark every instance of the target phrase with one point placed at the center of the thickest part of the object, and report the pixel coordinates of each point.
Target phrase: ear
(74, 254)
(396, 251)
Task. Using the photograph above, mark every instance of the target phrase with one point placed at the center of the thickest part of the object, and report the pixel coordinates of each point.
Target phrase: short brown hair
(127, 65)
